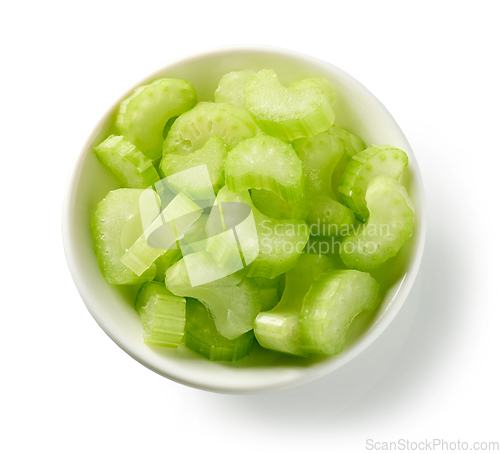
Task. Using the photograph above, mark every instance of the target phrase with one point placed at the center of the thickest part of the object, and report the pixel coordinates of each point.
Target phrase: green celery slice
(287, 113)
(233, 300)
(165, 261)
(264, 162)
(163, 315)
(262, 246)
(352, 144)
(195, 183)
(363, 168)
(272, 205)
(131, 167)
(231, 86)
(142, 117)
(278, 329)
(195, 237)
(335, 298)
(320, 155)
(115, 226)
(231, 231)
(192, 129)
(269, 287)
(389, 226)
(213, 155)
(203, 338)
(162, 234)
(327, 88)
(167, 127)
(280, 245)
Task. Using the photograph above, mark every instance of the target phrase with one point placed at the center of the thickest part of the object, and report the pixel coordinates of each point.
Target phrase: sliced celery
(131, 167)
(168, 125)
(287, 113)
(163, 315)
(264, 162)
(194, 238)
(335, 298)
(150, 204)
(165, 261)
(328, 90)
(280, 245)
(192, 129)
(213, 155)
(231, 230)
(142, 117)
(231, 86)
(389, 226)
(278, 329)
(352, 144)
(195, 183)
(162, 234)
(272, 205)
(363, 168)
(320, 155)
(233, 300)
(263, 246)
(271, 288)
(203, 338)
(115, 227)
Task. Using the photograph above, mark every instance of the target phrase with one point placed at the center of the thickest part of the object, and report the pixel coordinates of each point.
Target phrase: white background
(67, 388)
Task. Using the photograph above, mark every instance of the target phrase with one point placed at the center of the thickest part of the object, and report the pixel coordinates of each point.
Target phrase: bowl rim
(321, 369)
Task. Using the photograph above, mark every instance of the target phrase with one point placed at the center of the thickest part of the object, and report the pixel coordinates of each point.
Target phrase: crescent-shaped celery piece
(115, 227)
(335, 298)
(192, 129)
(264, 162)
(131, 167)
(389, 226)
(163, 315)
(233, 300)
(287, 113)
(142, 117)
(259, 245)
(213, 155)
(231, 86)
(203, 338)
(278, 329)
(363, 168)
(320, 155)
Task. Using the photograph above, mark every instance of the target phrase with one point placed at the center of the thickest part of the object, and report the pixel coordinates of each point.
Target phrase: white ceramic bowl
(112, 307)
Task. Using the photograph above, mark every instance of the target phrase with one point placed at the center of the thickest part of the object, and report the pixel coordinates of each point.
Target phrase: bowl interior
(356, 110)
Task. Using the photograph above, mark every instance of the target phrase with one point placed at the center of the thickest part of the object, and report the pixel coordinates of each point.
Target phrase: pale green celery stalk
(278, 328)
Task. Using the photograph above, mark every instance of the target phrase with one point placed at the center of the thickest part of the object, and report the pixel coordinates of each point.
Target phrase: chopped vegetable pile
(218, 202)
